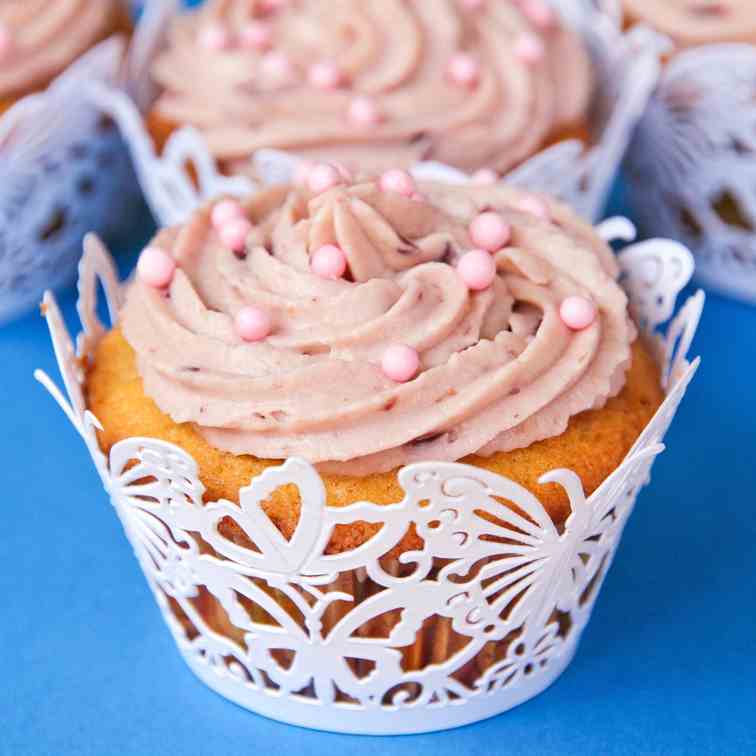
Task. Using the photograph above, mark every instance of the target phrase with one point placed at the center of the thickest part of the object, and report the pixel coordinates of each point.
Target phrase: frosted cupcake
(366, 326)
(40, 39)
(473, 84)
(692, 161)
(281, 407)
(702, 22)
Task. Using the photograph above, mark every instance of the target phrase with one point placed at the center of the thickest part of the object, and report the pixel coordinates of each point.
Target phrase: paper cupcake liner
(691, 167)
(484, 615)
(627, 67)
(65, 169)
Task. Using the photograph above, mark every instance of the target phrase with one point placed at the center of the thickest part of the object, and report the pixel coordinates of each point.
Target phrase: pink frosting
(46, 36)
(696, 22)
(498, 368)
(393, 59)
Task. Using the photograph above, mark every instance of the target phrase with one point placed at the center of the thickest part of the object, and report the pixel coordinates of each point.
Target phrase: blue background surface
(667, 664)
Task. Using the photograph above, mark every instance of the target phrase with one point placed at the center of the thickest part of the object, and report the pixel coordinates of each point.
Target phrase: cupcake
(40, 39)
(691, 161)
(375, 84)
(350, 427)
(690, 24)
(66, 170)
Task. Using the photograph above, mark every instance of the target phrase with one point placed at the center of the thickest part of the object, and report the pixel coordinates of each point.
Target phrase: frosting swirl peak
(41, 38)
(498, 368)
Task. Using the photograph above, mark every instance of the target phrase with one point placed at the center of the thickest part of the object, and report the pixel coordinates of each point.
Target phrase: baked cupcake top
(375, 83)
(39, 39)
(367, 325)
(697, 22)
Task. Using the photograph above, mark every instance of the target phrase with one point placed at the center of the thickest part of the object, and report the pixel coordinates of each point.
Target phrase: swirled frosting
(532, 80)
(498, 368)
(697, 22)
(41, 38)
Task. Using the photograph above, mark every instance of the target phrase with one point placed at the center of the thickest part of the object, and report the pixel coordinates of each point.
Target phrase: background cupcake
(691, 166)
(471, 84)
(39, 40)
(65, 169)
(689, 24)
(380, 330)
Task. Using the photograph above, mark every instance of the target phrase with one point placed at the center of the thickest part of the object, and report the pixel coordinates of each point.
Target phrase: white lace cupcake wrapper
(627, 66)
(65, 168)
(692, 165)
(484, 615)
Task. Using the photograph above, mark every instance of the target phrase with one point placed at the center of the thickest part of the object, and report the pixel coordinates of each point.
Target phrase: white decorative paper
(692, 164)
(486, 614)
(627, 67)
(65, 169)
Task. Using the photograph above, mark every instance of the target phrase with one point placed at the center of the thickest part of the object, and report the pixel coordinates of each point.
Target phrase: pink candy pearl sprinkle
(6, 41)
(325, 75)
(464, 70)
(485, 176)
(364, 111)
(329, 261)
(400, 363)
(214, 37)
(322, 177)
(399, 181)
(538, 12)
(534, 206)
(156, 267)
(253, 324)
(473, 5)
(256, 35)
(577, 313)
(477, 269)
(277, 65)
(234, 234)
(225, 212)
(529, 49)
(490, 231)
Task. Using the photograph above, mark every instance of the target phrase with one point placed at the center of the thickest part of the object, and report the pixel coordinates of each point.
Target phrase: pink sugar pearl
(214, 37)
(6, 41)
(344, 172)
(485, 176)
(400, 363)
(325, 75)
(463, 69)
(364, 111)
(534, 206)
(529, 49)
(256, 35)
(490, 231)
(538, 12)
(473, 5)
(322, 177)
(302, 172)
(329, 261)
(399, 181)
(225, 212)
(253, 324)
(577, 313)
(270, 6)
(156, 267)
(477, 269)
(234, 234)
(277, 65)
